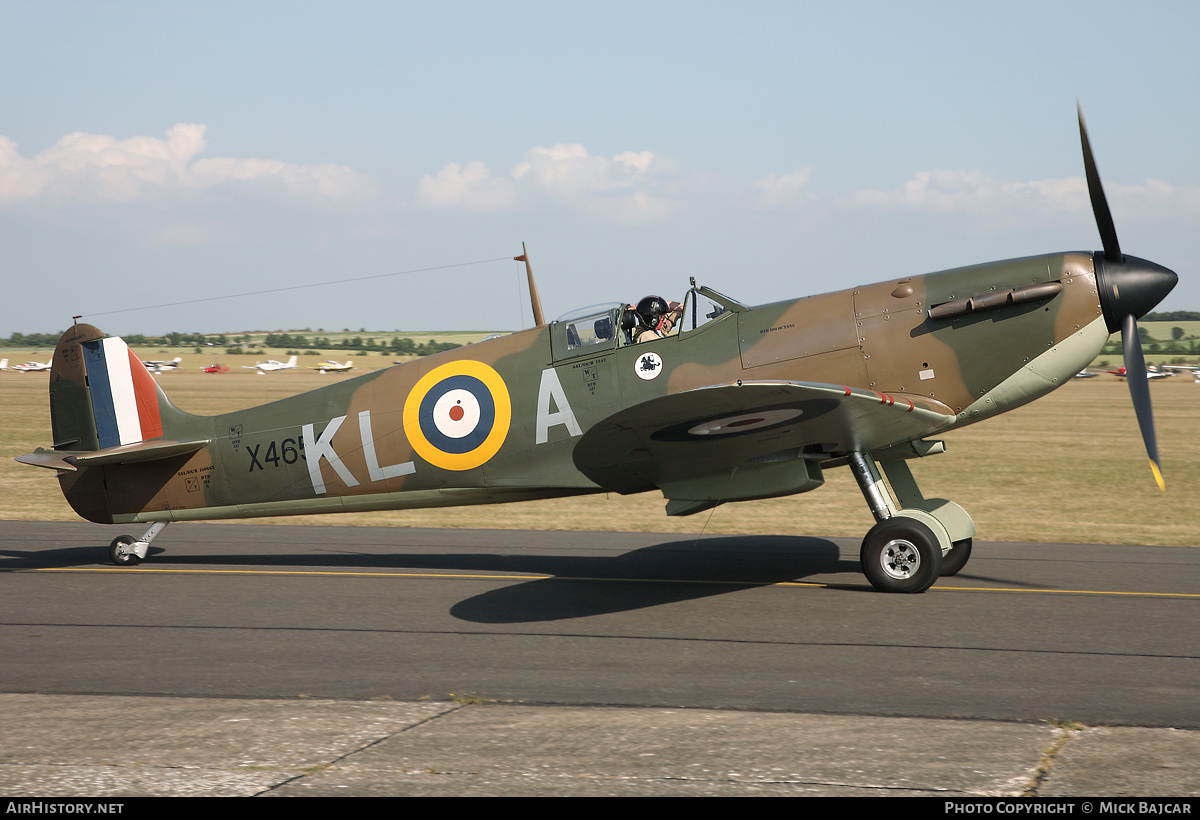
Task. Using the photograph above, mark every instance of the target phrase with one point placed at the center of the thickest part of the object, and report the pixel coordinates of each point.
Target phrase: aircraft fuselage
(499, 420)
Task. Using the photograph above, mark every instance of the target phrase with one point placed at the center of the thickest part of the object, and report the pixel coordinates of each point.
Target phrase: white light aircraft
(31, 367)
(156, 366)
(265, 367)
(1151, 373)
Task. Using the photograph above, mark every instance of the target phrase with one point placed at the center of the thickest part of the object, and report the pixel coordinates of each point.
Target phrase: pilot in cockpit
(653, 318)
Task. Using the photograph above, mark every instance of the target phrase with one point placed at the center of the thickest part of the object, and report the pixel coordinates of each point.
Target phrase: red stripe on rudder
(145, 391)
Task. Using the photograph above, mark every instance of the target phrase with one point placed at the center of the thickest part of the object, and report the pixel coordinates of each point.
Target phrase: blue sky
(155, 152)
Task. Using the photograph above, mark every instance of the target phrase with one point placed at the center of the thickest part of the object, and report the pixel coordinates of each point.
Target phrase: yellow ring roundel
(457, 415)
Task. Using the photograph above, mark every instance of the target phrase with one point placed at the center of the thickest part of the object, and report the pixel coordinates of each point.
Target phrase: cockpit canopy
(589, 326)
(599, 327)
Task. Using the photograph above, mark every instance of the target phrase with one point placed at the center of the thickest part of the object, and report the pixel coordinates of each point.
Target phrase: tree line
(396, 345)
(1173, 316)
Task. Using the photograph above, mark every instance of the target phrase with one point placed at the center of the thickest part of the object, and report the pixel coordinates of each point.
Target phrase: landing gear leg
(915, 539)
(126, 552)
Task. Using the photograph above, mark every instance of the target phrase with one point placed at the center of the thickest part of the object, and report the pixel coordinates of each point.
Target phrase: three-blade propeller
(1129, 287)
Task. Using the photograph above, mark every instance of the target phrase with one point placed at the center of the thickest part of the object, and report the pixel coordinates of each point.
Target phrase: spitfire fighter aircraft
(737, 403)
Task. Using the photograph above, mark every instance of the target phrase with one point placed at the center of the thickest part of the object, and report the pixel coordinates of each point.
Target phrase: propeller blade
(1104, 220)
(1139, 391)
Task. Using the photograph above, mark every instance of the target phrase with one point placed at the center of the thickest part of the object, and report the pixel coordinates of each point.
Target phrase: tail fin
(293, 361)
(101, 395)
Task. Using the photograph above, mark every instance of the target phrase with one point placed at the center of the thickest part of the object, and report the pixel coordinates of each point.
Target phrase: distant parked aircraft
(1151, 373)
(157, 366)
(332, 367)
(265, 367)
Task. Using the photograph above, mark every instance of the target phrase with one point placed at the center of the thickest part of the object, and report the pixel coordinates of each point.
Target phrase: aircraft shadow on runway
(579, 586)
(651, 576)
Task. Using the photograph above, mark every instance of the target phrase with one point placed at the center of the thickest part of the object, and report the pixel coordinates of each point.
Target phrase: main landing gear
(124, 551)
(915, 539)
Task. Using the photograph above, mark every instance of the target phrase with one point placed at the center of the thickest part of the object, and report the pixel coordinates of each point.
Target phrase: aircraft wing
(734, 432)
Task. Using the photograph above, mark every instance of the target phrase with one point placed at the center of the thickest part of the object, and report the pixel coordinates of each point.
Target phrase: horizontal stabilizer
(71, 460)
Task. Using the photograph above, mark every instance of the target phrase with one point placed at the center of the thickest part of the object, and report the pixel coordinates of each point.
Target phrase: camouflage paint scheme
(750, 403)
(865, 369)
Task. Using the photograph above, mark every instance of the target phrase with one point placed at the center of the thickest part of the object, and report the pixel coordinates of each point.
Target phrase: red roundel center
(456, 412)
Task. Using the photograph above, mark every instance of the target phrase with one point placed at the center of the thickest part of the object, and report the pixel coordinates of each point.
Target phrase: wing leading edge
(746, 440)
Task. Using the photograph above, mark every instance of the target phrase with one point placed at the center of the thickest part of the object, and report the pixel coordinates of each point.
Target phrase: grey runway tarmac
(299, 660)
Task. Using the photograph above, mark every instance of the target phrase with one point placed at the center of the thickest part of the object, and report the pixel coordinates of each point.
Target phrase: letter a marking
(551, 389)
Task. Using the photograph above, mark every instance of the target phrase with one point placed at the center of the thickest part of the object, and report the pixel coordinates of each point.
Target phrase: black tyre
(956, 558)
(900, 554)
(119, 552)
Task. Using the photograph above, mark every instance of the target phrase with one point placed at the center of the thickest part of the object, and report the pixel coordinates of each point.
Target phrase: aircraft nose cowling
(1132, 286)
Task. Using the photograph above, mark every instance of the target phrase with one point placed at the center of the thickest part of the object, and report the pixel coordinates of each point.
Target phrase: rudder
(101, 395)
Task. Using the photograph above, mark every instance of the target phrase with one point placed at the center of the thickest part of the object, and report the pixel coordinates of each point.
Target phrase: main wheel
(956, 558)
(901, 555)
(120, 552)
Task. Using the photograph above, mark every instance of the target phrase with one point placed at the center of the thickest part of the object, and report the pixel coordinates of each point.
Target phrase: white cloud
(636, 208)
(97, 168)
(938, 190)
(567, 171)
(619, 188)
(1154, 197)
(472, 187)
(974, 191)
(785, 190)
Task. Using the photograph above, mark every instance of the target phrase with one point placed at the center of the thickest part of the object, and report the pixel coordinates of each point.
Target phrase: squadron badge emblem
(648, 366)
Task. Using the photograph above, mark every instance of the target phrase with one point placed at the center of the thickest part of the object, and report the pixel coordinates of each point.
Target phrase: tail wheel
(956, 558)
(901, 555)
(121, 553)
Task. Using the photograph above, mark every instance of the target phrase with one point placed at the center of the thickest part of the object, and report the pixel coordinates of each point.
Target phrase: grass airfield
(1067, 468)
